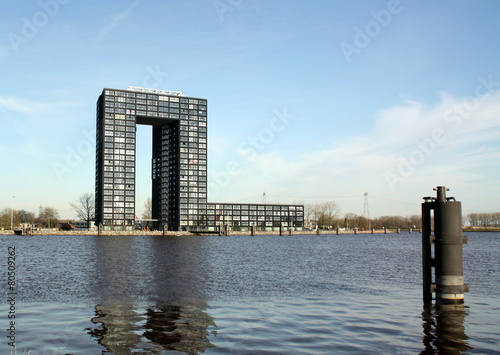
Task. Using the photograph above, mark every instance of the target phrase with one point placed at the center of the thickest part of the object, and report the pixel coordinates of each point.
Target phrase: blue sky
(308, 101)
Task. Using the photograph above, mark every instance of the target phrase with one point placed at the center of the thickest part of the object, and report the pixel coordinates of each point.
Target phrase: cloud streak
(118, 19)
(16, 105)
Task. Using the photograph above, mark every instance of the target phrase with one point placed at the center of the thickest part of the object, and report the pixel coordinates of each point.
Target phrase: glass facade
(179, 166)
(241, 217)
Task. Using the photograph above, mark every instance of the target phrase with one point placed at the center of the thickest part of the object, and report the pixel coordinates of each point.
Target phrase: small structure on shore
(25, 229)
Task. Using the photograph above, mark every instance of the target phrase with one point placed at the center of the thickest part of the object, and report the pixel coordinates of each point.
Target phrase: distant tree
(360, 222)
(48, 216)
(20, 216)
(85, 208)
(350, 220)
(5, 218)
(148, 209)
(325, 213)
(484, 219)
(26, 217)
(414, 221)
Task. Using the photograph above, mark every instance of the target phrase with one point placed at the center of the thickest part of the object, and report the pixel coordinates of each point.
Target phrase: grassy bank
(481, 229)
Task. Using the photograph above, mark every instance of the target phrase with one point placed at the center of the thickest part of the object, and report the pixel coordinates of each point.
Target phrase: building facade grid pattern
(179, 167)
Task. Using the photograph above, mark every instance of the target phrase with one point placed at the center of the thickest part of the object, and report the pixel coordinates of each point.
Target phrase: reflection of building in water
(118, 327)
(444, 331)
(181, 328)
(150, 295)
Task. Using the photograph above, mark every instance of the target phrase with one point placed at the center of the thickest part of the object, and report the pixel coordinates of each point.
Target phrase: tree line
(48, 217)
(484, 219)
(327, 215)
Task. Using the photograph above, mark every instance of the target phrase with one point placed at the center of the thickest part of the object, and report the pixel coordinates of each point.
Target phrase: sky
(308, 101)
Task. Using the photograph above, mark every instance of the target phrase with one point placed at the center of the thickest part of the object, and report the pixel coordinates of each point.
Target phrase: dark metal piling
(448, 256)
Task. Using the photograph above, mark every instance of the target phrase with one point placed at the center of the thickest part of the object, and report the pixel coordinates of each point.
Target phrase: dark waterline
(265, 294)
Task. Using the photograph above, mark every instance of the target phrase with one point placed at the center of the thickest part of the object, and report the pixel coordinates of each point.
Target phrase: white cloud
(419, 147)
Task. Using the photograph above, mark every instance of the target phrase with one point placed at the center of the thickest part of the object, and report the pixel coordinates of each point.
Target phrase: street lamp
(12, 214)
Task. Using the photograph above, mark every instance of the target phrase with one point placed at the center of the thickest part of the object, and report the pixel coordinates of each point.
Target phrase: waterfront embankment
(174, 233)
(285, 232)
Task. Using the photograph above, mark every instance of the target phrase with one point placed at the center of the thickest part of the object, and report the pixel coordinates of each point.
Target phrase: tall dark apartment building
(179, 166)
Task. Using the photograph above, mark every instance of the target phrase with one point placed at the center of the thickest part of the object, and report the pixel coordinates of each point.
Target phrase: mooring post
(427, 206)
(281, 230)
(252, 230)
(448, 254)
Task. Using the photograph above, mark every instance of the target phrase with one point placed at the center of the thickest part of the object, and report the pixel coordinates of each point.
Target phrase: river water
(347, 294)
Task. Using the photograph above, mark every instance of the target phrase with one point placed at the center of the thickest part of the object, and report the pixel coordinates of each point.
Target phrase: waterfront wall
(172, 233)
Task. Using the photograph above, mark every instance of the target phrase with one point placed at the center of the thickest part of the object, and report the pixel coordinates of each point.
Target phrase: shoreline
(285, 232)
(183, 233)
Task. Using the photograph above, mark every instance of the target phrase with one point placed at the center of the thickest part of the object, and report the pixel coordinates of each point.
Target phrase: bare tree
(484, 219)
(48, 216)
(85, 207)
(353, 220)
(325, 213)
(148, 209)
(414, 221)
(21, 216)
(5, 218)
(26, 217)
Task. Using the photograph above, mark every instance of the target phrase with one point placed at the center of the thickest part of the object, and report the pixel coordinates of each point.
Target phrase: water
(356, 294)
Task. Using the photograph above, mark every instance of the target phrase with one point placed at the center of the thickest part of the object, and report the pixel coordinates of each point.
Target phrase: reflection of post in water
(444, 330)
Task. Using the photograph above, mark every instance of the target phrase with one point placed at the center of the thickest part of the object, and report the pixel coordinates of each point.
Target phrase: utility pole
(366, 210)
(12, 214)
